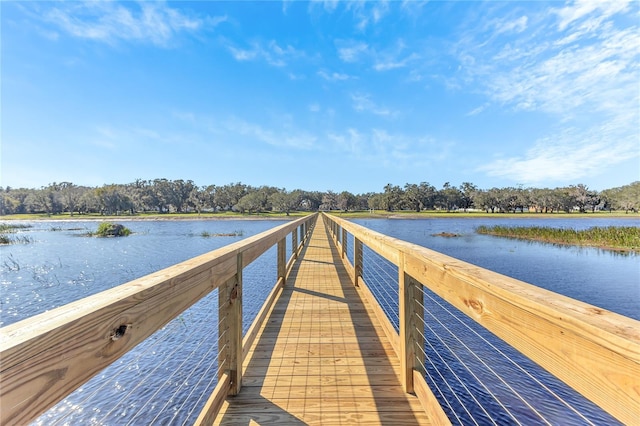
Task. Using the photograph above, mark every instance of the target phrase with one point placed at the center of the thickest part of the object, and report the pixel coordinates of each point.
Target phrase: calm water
(164, 377)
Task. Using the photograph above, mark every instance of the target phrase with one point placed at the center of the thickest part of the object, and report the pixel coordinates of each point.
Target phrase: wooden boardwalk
(322, 356)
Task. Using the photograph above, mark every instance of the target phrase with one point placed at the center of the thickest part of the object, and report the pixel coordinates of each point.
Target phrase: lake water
(165, 379)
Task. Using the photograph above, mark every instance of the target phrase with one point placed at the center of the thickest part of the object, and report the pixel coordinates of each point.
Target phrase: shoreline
(295, 215)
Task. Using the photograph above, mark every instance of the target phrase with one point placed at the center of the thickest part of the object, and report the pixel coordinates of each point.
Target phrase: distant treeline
(166, 196)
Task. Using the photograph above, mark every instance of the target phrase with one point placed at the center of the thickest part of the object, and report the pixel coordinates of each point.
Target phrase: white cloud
(362, 103)
(381, 148)
(582, 8)
(368, 13)
(351, 51)
(285, 136)
(581, 72)
(109, 22)
(517, 26)
(386, 63)
(272, 53)
(568, 156)
(477, 110)
(333, 76)
(393, 57)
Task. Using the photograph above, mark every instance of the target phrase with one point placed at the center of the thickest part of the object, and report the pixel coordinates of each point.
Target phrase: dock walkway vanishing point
(321, 356)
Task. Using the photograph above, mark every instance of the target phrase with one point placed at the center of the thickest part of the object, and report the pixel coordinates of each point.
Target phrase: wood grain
(46, 357)
(322, 356)
(595, 351)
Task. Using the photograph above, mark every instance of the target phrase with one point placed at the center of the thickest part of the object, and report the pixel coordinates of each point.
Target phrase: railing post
(344, 242)
(230, 329)
(417, 325)
(405, 307)
(357, 260)
(282, 259)
(294, 243)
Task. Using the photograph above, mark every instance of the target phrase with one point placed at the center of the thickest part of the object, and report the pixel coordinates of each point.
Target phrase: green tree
(392, 197)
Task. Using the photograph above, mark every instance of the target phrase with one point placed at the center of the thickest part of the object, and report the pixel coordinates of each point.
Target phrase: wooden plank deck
(322, 356)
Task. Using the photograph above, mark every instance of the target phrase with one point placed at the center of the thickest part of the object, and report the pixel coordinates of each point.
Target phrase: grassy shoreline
(624, 238)
(378, 214)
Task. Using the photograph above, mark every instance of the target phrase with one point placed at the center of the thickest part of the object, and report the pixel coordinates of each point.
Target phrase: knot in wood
(119, 332)
(475, 305)
(234, 294)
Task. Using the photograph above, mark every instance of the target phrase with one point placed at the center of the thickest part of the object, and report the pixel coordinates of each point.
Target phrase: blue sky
(321, 95)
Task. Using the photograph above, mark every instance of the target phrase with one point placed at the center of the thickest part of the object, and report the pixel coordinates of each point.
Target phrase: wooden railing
(594, 351)
(46, 357)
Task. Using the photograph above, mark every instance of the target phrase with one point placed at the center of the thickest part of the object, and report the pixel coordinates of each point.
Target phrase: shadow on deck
(322, 356)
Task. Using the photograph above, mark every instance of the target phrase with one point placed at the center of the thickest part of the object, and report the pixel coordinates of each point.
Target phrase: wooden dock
(322, 356)
(321, 350)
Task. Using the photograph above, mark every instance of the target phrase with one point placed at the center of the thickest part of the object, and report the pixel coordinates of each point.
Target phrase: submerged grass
(7, 237)
(611, 237)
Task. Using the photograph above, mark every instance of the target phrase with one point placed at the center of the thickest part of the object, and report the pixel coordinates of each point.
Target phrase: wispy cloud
(110, 22)
(271, 52)
(285, 135)
(385, 59)
(334, 76)
(350, 50)
(393, 57)
(382, 148)
(362, 103)
(368, 13)
(576, 65)
(568, 156)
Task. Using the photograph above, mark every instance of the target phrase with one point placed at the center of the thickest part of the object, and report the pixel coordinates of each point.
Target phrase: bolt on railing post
(230, 328)
(405, 314)
(357, 260)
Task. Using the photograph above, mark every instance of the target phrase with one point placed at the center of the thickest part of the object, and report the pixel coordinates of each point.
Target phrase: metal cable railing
(186, 362)
(476, 377)
(381, 277)
(193, 339)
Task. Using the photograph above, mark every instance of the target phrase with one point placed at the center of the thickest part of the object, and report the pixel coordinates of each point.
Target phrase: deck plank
(321, 356)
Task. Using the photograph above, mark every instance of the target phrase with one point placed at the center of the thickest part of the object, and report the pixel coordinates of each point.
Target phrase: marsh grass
(8, 229)
(611, 237)
(110, 229)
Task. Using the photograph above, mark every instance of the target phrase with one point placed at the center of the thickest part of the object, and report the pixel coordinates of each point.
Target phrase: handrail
(596, 352)
(46, 357)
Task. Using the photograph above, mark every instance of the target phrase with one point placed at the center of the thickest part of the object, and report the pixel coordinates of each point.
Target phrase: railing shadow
(316, 398)
(375, 355)
(268, 412)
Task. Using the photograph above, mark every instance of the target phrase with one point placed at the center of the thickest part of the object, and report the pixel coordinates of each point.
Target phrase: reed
(7, 229)
(611, 237)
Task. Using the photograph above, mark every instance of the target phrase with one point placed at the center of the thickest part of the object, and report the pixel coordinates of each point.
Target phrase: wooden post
(344, 242)
(294, 243)
(405, 303)
(417, 323)
(358, 264)
(282, 259)
(224, 293)
(230, 329)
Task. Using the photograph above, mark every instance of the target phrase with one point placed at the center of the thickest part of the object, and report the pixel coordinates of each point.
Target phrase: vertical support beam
(344, 242)
(294, 243)
(282, 259)
(358, 264)
(405, 305)
(234, 319)
(224, 313)
(417, 325)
